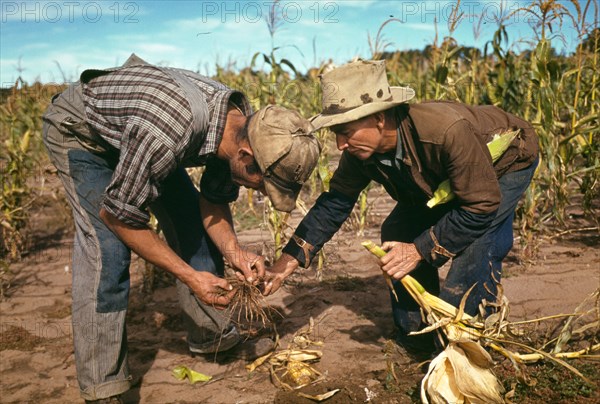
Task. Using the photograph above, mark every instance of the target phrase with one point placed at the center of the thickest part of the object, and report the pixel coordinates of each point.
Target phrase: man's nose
(342, 142)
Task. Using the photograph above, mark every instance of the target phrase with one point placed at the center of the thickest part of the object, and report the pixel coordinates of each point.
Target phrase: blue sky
(197, 35)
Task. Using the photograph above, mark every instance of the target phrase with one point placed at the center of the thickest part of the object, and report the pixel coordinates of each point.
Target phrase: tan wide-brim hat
(356, 90)
(286, 152)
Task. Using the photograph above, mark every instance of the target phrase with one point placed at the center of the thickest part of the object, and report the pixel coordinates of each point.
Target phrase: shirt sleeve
(321, 222)
(349, 178)
(144, 161)
(329, 212)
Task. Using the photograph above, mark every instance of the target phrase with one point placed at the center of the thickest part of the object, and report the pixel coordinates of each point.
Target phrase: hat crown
(356, 90)
(271, 133)
(353, 85)
(285, 150)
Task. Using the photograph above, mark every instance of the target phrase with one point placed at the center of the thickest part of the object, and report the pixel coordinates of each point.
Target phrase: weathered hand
(247, 264)
(400, 260)
(211, 289)
(276, 274)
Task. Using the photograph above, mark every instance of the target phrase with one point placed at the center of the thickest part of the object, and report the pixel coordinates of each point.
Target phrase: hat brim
(400, 95)
(283, 200)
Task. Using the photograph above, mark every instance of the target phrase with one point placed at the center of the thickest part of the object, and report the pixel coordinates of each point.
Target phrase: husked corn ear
(497, 147)
(300, 373)
(378, 252)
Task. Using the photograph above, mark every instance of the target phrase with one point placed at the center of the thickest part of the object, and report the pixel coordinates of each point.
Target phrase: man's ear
(245, 151)
(380, 119)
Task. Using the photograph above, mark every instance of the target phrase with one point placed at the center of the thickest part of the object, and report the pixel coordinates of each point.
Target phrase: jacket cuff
(301, 250)
(430, 249)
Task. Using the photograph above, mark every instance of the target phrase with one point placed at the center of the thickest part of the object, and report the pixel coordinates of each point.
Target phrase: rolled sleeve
(126, 213)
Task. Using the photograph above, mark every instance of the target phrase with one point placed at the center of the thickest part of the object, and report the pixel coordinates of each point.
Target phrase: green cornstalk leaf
(181, 372)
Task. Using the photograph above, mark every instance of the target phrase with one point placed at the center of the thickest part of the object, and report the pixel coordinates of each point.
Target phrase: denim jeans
(480, 264)
(101, 261)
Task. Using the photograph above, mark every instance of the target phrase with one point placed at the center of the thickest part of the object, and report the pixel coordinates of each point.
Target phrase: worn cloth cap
(356, 90)
(286, 152)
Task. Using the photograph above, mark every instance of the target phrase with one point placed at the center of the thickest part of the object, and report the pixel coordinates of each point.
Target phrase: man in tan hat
(410, 150)
(121, 140)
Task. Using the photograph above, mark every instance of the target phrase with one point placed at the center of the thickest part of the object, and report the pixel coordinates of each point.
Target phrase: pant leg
(178, 213)
(405, 224)
(100, 269)
(480, 264)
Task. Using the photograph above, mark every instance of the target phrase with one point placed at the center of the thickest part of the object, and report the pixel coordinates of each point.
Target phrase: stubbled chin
(360, 154)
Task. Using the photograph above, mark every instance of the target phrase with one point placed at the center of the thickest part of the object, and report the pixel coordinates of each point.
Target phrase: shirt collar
(219, 117)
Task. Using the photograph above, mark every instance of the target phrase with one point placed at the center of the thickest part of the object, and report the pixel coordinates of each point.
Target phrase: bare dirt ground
(352, 303)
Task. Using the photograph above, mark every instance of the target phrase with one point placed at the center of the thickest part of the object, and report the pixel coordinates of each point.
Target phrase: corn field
(559, 94)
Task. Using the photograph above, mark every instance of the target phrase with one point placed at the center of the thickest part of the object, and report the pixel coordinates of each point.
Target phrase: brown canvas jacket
(444, 140)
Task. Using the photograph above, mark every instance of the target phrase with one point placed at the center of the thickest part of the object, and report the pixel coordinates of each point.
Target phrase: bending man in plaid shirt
(121, 139)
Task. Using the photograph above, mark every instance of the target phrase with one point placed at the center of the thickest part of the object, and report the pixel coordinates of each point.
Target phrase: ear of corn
(378, 252)
(461, 374)
(497, 147)
(300, 374)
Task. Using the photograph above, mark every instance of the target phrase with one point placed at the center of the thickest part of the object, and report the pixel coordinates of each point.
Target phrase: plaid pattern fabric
(143, 113)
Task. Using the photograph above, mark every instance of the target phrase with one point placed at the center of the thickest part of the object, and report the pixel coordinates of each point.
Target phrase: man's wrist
(289, 264)
(231, 251)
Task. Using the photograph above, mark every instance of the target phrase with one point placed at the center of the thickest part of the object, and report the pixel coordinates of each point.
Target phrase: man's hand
(401, 258)
(276, 274)
(211, 289)
(248, 266)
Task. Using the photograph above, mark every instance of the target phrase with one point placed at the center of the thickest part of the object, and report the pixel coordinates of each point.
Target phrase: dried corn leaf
(251, 367)
(298, 356)
(476, 354)
(320, 397)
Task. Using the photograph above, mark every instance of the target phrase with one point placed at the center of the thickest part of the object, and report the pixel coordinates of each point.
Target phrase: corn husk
(439, 384)
(461, 374)
(320, 397)
(497, 147)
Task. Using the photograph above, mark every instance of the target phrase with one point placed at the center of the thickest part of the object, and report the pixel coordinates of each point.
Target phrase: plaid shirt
(142, 112)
